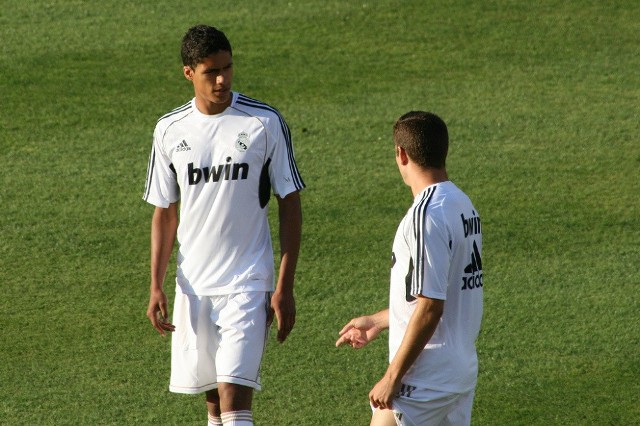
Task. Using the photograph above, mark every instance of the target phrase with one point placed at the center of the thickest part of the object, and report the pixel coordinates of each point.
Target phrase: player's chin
(221, 96)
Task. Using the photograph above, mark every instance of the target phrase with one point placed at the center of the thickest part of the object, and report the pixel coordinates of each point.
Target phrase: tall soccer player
(217, 159)
(435, 298)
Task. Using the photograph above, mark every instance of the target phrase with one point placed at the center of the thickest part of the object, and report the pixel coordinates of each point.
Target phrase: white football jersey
(437, 253)
(222, 168)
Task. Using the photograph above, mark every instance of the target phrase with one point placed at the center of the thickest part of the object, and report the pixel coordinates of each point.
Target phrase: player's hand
(283, 305)
(354, 337)
(157, 312)
(358, 332)
(383, 393)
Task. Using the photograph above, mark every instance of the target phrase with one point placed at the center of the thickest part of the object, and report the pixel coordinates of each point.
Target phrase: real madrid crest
(242, 143)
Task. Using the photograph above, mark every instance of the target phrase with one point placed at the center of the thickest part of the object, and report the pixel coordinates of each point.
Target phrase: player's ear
(188, 72)
(402, 155)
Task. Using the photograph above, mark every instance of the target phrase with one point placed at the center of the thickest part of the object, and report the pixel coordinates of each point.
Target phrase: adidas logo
(183, 146)
(474, 269)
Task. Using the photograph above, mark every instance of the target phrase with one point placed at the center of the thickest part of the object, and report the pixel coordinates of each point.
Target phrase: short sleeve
(161, 186)
(283, 172)
(432, 258)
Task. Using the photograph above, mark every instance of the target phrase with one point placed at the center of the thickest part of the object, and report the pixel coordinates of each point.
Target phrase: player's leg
(193, 349)
(242, 322)
(193, 345)
(213, 408)
(426, 407)
(460, 413)
(234, 397)
(235, 404)
(383, 418)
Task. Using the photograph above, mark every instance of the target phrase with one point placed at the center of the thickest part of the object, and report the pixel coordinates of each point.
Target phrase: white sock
(237, 418)
(214, 421)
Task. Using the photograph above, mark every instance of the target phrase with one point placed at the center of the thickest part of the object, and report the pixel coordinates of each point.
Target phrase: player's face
(212, 80)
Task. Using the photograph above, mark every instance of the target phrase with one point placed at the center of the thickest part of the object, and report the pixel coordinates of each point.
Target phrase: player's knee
(234, 397)
(213, 403)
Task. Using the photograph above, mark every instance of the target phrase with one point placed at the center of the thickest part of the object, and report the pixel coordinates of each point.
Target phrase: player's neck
(427, 177)
(211, 108)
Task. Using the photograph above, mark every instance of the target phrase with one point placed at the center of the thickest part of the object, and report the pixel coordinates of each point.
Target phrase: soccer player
(217, 159)
(435, 302)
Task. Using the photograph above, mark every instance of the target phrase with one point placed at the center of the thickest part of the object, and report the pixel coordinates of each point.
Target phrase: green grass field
(541, 99)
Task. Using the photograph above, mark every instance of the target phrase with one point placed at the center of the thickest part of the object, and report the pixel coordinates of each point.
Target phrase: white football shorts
(422, 407)
(218, 339)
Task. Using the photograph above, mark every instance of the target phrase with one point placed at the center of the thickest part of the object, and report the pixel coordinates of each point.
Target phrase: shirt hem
(223, 291)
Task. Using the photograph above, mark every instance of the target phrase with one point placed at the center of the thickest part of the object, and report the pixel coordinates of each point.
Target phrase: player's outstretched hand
(283, 305)
(358, 332)
(158, 311)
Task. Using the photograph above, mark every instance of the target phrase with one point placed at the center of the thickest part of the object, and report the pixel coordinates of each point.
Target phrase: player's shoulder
(452, 202)
(441, 200)
(256, 108)
(448, 191)
(175, 114)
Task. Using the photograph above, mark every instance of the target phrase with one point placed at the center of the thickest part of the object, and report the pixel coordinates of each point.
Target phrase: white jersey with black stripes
(437, 254)
(222, 169)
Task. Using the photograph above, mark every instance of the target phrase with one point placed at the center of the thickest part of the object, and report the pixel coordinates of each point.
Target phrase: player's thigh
(194, 325)
(383, 418)
(234, 397)
(428, 407)
(243, 329)
(460, 413)
(193, 344)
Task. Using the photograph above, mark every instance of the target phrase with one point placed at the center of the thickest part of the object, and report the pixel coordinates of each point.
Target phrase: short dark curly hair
(200, 42)
(424, 137)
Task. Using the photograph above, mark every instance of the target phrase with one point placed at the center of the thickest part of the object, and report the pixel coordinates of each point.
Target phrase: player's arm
(360, 331)
(282, 301)
(164, 226)
(422, 325)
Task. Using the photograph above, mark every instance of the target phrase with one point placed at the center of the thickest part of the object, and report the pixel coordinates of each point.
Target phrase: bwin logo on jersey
(474, 271)
(242, 143)
(235, 171)
(471, 225)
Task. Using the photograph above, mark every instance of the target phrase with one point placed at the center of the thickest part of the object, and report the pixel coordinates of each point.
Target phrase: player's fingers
(282, 335)
(352, 340)
(159, 321)
(373, 401)
(358, 343)
(342, 340)
(158, 326)
(381, 404)
(153, 318)
(285, 325)
(346, 328)
(163, 310)
(270, 314)
(166, 325)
